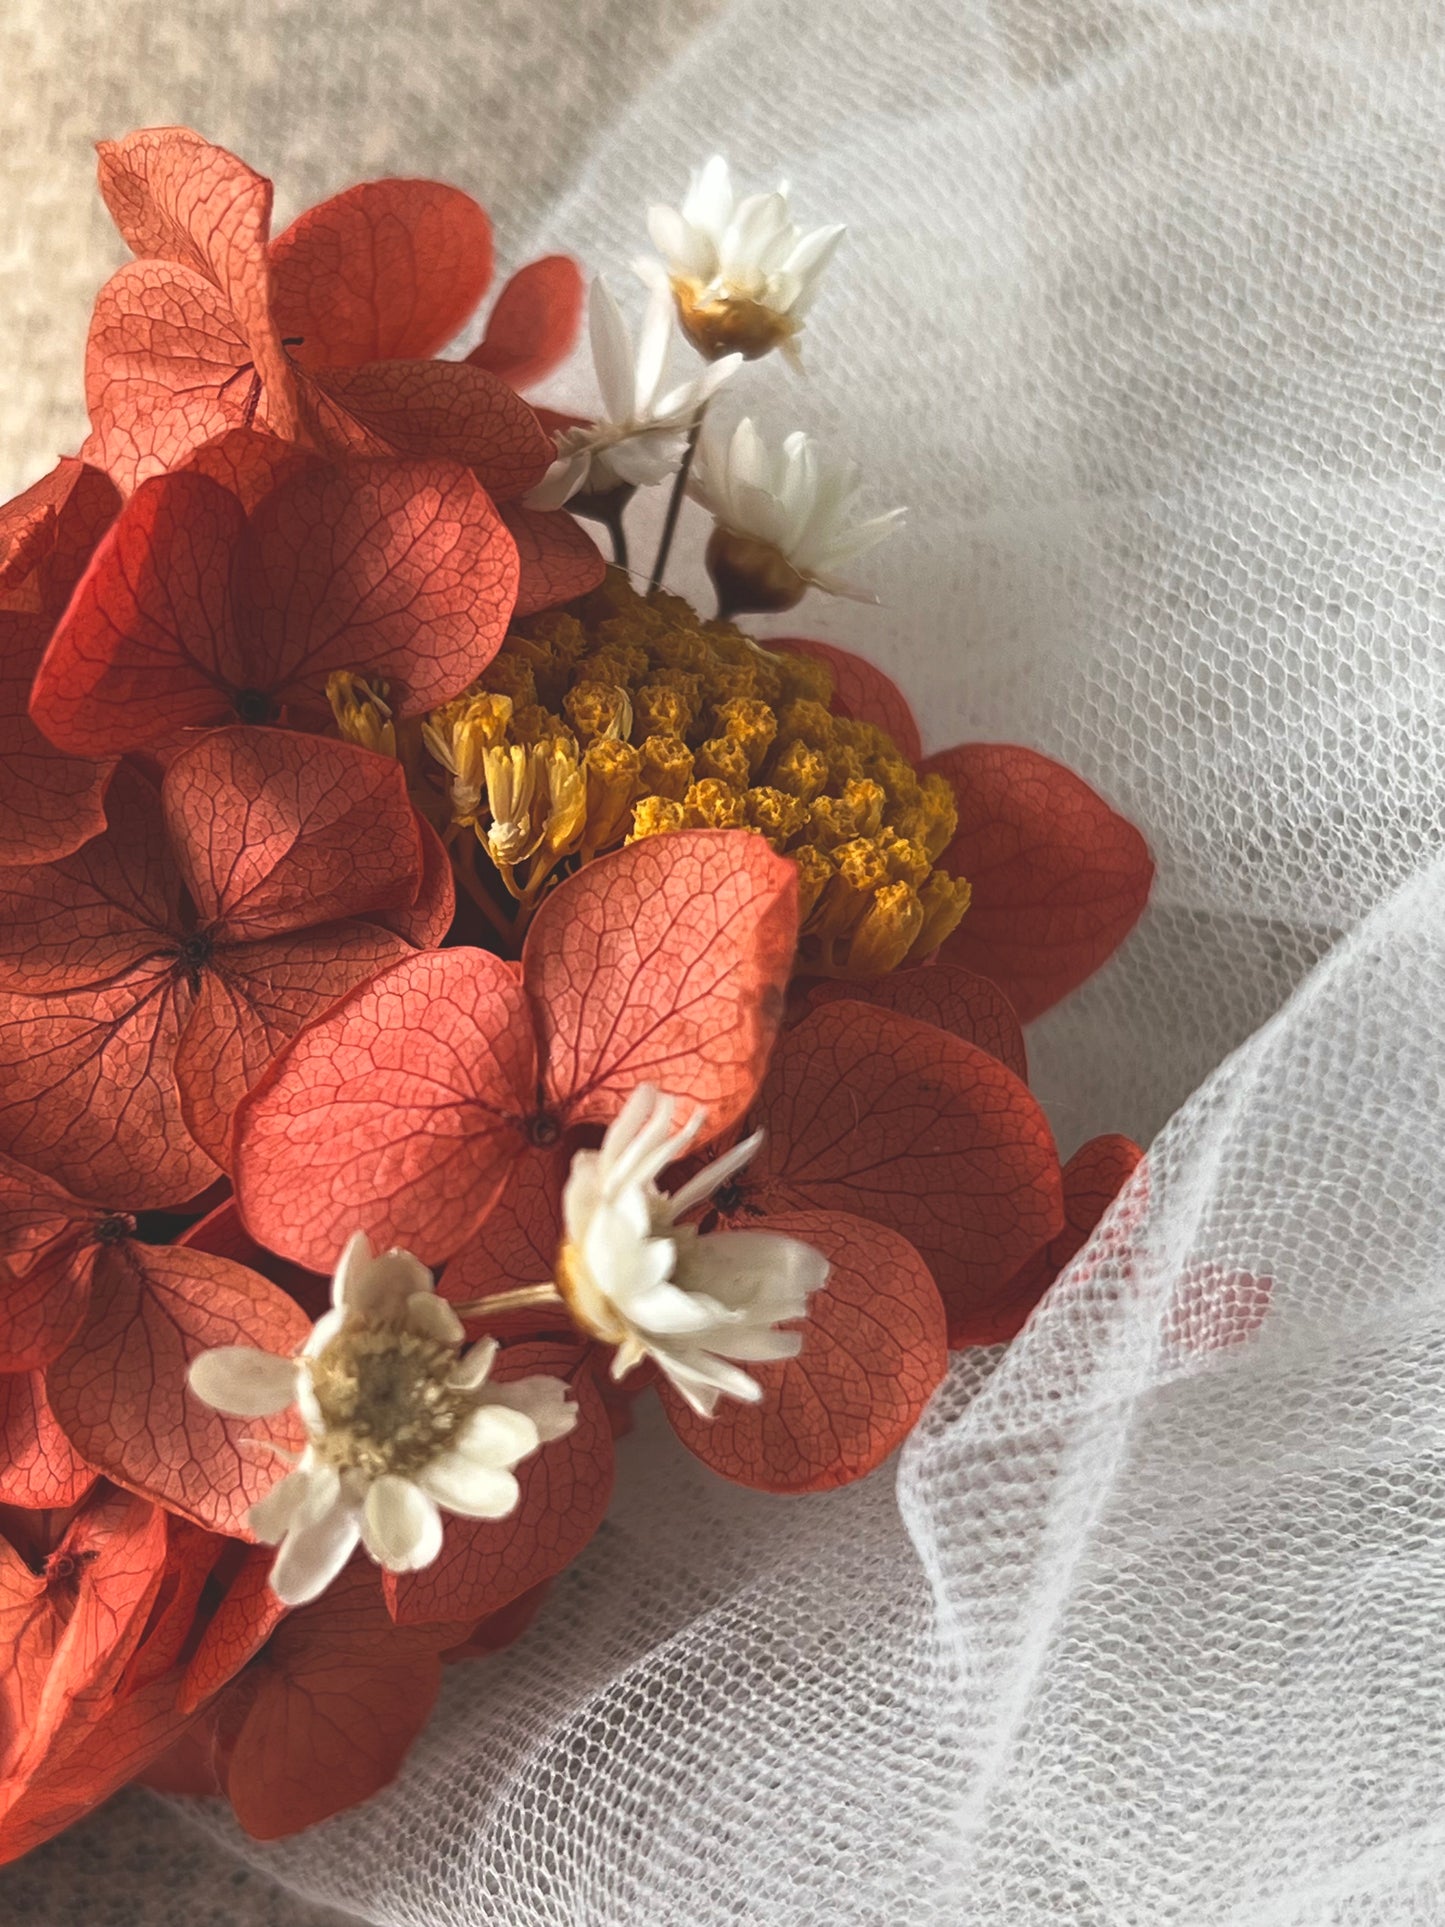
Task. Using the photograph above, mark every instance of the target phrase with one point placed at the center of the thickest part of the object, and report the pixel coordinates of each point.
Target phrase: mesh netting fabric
(1142, 314)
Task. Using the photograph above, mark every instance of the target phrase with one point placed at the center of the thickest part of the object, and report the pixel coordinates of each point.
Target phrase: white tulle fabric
(1142, 312)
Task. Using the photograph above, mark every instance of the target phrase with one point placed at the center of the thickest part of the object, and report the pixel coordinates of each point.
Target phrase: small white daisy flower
(786, 519)
(400, 1422)
(742, 273)
(636, 1278)
(641, 434)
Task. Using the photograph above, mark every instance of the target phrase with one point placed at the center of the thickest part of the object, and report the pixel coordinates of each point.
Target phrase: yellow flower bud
(939, 809)
(535, 725)
(890, 926)
(804, 676)
(662, 709)
(800, 771)
(778, 816)
(510, 675)
(907, 860)
(944, 899)
(865, 799)
(683, 650)
(361, 711)
(724, 759)
(751, 724)
(458, 735)
(667, 767)
(860, 870)
(612, 772)
(599, 709)
(654, 816)
(731, 735)
(566, 787)
(805, 721)
(711, 805)
(618, 661)
(729, 682)
(832, 821)
(814, 871)
(511, 778)
(900, 784)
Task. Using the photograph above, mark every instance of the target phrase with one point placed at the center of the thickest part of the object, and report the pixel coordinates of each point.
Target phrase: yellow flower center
(385, 1400)
(591, 1310)
(620, 717)
(729, 321)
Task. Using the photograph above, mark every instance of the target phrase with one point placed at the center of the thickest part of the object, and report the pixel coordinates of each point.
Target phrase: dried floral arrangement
(450, 988)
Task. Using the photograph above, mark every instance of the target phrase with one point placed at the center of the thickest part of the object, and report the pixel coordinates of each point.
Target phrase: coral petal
(344, 1695)
(437, 409)
(147, 645)
(874, 1348)
(970, 1006)
(316, 830)
(426, 920)
(398, 570)
(120, 1389)
(663, 964)
(50, 802)
(178, 198)
(870, 1112)
(166, 370)
(1059, 878)
(252, 1000)
(236, 1630)
(39, 1467)
(387, 269)
(48, 1248)
(1093, 1178)
(397, 1113)
(534, 322)
(517, 1244)
(558, 558)
(247, 463)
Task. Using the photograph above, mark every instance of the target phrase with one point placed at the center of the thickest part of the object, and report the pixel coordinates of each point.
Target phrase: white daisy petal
(355, 1259)
(495, 1435)
(545, 1400)
(474, 1491)
(432, 1317)
(312, 1555)
(691, 1303)
(739, 259)
(401, 1527)
(793, 500)
(472, 1367)
(712, 1176)
(611, 352)
(300, 1499)
(243, 1382)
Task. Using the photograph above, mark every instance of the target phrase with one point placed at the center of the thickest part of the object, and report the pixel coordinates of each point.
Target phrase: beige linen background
(503, 97)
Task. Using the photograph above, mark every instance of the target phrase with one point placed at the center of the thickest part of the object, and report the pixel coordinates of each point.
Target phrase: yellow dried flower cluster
(620, 717)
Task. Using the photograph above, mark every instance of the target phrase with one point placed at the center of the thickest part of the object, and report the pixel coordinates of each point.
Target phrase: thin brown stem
(522, 1299)
(674, 506)
(467, 877)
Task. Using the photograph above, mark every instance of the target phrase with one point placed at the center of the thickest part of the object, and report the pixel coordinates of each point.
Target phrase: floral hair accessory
(629, 999)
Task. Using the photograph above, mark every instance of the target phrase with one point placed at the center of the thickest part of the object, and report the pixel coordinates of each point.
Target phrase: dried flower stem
(674, 506)
(522, 1299)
